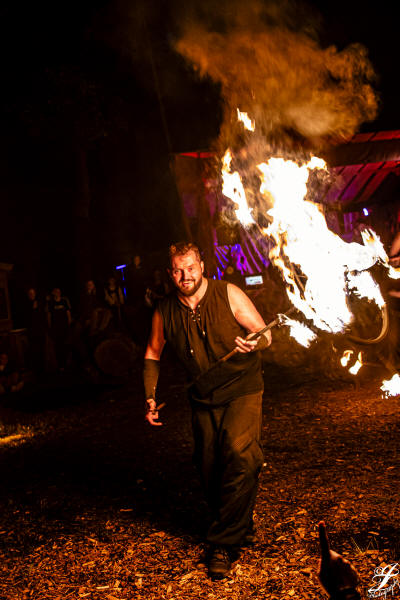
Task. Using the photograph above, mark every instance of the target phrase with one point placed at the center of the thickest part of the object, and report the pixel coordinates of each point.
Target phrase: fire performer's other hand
(335, 572)
(152, 412)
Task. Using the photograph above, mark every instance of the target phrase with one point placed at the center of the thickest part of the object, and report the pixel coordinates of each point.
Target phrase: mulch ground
(96, 504)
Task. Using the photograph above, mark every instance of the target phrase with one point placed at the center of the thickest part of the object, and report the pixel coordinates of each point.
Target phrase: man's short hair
(181, 248)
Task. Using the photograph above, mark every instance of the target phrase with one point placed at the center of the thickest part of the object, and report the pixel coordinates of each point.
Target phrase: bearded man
(203, 319)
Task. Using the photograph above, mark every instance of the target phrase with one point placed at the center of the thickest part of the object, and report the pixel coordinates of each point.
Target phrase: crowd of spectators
(61, 335)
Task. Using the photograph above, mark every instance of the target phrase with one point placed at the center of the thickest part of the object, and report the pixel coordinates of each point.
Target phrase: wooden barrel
(116, 355)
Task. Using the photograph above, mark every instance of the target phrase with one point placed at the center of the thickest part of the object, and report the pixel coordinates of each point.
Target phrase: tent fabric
(361, 153)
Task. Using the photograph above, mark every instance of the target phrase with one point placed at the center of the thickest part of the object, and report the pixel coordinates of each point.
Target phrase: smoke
(268, 62)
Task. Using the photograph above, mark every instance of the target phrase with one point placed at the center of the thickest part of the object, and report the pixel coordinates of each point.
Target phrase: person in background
(59, 322)
(157, 288)
(90, 307)
(136, 278)
(114, 298)
(36, 325)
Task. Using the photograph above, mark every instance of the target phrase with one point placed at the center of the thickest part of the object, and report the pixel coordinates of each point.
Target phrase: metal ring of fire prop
(358, 340)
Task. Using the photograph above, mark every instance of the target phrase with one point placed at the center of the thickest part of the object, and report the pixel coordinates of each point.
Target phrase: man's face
(187, 273)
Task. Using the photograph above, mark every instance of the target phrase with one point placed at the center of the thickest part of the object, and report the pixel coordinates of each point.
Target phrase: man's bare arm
(156, 342)
(248, 317)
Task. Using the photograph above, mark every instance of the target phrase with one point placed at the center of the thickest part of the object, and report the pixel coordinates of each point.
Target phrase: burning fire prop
(321, 271)
(344, 361)
(391, 387)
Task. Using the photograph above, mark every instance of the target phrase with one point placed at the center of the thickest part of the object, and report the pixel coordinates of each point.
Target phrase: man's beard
(190, 291)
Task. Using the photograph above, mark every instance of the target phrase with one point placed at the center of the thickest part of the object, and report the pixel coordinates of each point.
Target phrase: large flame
(302, 239)
(320, 269)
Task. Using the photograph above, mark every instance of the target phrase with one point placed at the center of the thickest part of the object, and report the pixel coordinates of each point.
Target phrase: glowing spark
(232, 187)
(391, 387)
(244, 118)
(300, 332)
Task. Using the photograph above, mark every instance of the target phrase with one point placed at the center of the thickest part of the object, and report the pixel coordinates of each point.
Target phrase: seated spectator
(10, 378)
(338, 577)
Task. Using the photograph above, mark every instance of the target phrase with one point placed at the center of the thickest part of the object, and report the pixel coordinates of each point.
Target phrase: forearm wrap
(151, 371)
(262, 343)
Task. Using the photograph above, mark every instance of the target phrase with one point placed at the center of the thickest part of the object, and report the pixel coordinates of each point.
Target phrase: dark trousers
(229, 457)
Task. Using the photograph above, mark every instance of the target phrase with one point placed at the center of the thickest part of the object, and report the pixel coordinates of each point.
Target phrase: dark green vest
(200, 338)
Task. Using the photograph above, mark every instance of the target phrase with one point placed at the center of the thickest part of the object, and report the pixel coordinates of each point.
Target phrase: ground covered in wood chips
(96, 504)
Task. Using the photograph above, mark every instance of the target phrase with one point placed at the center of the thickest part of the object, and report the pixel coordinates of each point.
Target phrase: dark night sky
(75, 76)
